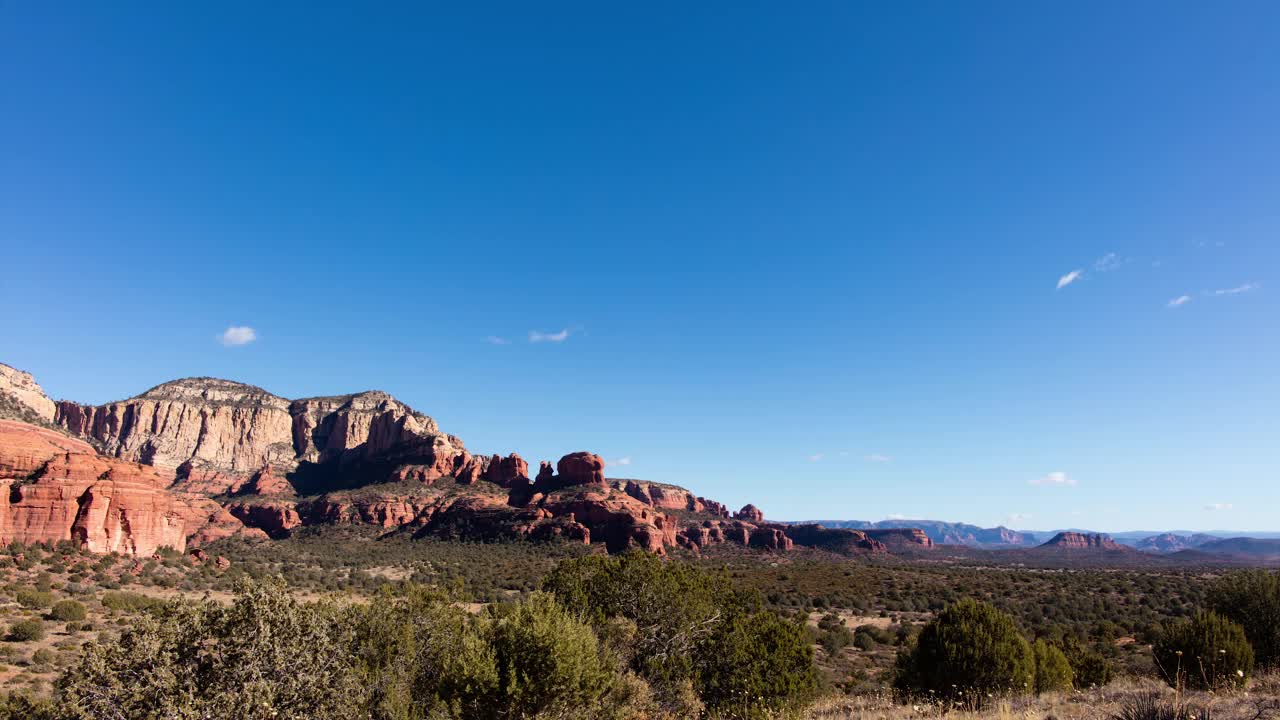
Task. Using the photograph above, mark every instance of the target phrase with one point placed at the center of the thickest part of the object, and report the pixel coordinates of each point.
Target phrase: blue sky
(810, 257)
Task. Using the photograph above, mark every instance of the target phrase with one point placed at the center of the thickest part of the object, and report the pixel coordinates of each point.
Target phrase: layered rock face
(24, 396)
(1081, 541)
(901, 538)
(213, 431)
(669, 497)
(61, 489)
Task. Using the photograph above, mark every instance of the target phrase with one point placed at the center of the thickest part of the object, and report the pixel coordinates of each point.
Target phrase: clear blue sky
(804, 255)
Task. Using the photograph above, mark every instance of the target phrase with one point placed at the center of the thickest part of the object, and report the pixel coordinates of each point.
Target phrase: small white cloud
(876, 457)
(495, 340)
(816, 457)
(1216, 507)
(1018, 517)
(1179, 301)
(1247, 287)
(897, 516)
(1108, 262)
(1069, 278)
(622, 461)
(558, 337)
(237, 335)
(1054, 479)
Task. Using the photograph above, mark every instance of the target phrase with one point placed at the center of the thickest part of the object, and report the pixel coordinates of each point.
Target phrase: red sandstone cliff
(60, 489)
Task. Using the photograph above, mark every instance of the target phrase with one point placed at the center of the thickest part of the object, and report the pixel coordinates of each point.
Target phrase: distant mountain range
(1150, 541)
(946, 533)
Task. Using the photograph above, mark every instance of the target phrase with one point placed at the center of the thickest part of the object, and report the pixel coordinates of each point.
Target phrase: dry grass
(1260, 702)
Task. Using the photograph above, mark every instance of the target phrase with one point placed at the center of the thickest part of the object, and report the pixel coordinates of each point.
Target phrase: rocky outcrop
(1082, 541)
(770, 538)
(61, 489)
(1171, 543)
(580, 468)
(366, 458)
(838, 540)
(669, 497)
(901, 538)
(508, 472)
(212, 431)
(22, 398)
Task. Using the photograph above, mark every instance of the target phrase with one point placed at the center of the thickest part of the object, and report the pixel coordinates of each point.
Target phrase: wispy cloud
(1069, 278)
(1054, 479)
(1017, 517)
(622, 461)
(1108, 262)
(536, 336)
(495, 340)
(237, 335)
(1247, 287)
(1216, 507)
(877, 457)
(897, 516)
(1179, 301)
(816, 457)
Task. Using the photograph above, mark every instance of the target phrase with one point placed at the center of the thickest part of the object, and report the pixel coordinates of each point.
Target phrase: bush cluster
(1252, 599)
(625, 638)
(1205, 652)
(692, 636)
(968, 653)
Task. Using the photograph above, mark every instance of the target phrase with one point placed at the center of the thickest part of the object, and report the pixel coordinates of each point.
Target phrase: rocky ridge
(199, 458)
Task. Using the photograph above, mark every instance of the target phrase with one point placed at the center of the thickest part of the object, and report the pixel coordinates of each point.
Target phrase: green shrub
(1252, 599)
(1053, 671)
(418, 649)
(43, 656)
(833, 634)
(26, 631)
(264, 655)
(548, 661)
(67, 610)
(21, 707)
(675, 625)
(968, 652)
(1205, 652)
(756, 665)
(123, 600)
(32, 599)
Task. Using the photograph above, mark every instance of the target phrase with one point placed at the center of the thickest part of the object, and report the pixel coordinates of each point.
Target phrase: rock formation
(838, 540)
(1082, 541)
(216, 430)
(901, 538)
(580, 468)
(62, 489)
(21, 398)
(196, 459)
